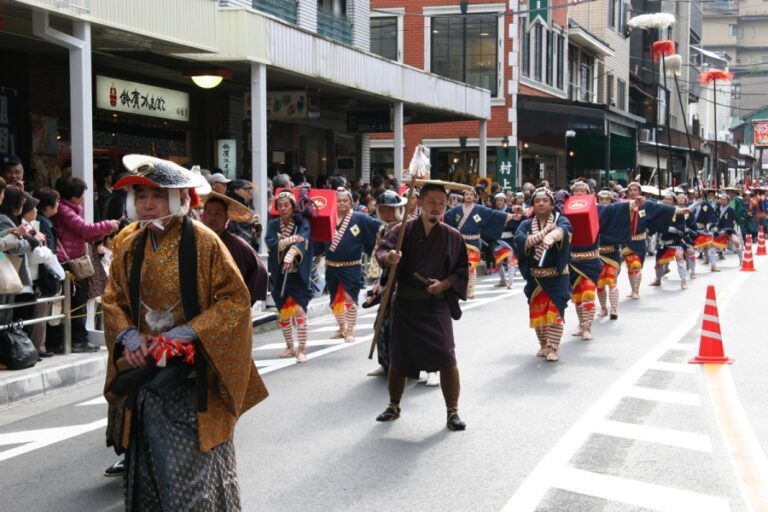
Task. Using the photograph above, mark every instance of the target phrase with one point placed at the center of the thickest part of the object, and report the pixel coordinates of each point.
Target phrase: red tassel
(661, 49)
(710, 76)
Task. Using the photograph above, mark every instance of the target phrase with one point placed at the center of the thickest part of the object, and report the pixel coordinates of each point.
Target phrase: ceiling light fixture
(208, 78)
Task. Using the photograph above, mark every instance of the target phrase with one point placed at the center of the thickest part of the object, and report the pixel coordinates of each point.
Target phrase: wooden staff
(391, 277)
(392, 271)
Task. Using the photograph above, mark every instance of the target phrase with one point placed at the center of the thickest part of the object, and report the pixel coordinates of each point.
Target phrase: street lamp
(505, 144)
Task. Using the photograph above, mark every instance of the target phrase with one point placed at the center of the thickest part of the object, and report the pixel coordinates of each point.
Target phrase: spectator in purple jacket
(73, 233)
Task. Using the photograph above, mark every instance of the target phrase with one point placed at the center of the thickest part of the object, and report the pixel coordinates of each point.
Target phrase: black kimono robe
(422, 333)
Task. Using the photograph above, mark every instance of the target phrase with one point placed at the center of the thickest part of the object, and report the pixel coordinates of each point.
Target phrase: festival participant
(474, 222)
(174, 289)
(610, 255)
(504, 252)
(672, 246)
(543, 246)
(706, 220)
(690, 236)
(290, 267)
(648, 216)
(390, 210)
(431, 278)
(355, 234)
(726, 227)
(218, 210)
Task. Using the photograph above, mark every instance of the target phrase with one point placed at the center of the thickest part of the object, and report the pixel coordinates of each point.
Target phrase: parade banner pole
(392, 269)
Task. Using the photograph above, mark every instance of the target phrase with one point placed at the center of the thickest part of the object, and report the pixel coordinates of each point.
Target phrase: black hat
(390, 198)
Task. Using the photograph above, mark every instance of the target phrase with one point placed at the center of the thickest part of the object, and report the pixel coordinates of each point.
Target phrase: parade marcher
(475, 221)
(431, 278)
(672, 247)
(218, 210)
(610, 255)
(649, 216)
(390, 210)
(174, 289)
(706, 221)
(726, 227)
(690, 236)
(504, 250)
(290, 269)
(543, 246)
(355, 234)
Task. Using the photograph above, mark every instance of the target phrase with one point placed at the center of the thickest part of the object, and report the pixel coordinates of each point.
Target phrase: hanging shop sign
(227, 157)
(369, 121)
(761, 133)
(141, 99)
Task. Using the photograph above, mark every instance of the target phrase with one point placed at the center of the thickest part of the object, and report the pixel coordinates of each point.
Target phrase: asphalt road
(620, 423)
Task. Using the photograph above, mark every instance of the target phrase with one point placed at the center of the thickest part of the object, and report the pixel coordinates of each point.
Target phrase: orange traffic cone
(761, 243)
(747, 264)
(711, 345)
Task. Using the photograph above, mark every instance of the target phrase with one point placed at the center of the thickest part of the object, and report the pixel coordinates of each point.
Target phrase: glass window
(612, 13)
(621, 94)
(609, 90)
(560, 60)
(587, 64)
(550, 57)
(573, 68)
(384, 37)
(465, 48)
(526, 47)
(538, 40)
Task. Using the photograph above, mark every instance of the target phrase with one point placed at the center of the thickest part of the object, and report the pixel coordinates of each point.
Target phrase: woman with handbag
(73, 235)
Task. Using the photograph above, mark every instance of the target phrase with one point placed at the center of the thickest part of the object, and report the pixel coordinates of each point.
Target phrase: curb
(50, 376)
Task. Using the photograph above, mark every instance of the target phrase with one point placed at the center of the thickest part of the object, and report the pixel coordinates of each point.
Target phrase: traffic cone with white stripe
(747, 263)
(711, 345)
(761, 243)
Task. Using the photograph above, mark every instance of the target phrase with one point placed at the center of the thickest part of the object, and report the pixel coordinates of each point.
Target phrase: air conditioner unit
(647, 135)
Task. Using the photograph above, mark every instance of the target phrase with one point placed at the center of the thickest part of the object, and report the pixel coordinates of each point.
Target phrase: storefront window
(384, 37)
(465, 48)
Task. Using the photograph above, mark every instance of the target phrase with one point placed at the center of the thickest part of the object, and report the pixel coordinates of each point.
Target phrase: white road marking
(35, 439)
(672, 367)
(664, 395)
(682, 347)
(331, 328)
(633, 492)
(96, 401)
(669, 437)
(310, 343)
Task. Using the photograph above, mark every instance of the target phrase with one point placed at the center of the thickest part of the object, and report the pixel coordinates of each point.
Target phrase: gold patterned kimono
(223, 327)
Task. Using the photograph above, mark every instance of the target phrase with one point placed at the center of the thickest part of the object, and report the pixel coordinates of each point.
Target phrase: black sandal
(454, 422)
(391, 413)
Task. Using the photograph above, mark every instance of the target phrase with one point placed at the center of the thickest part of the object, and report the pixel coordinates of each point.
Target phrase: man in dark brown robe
(432, 270)
(220, 209)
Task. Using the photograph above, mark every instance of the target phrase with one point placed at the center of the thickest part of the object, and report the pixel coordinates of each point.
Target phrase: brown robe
(422, 332)
(252, 269)
(223, 327)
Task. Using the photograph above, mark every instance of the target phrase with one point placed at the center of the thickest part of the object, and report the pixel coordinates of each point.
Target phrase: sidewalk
(55, 374)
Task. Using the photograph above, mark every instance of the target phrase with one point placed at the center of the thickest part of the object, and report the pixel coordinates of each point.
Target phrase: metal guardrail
(65, 299)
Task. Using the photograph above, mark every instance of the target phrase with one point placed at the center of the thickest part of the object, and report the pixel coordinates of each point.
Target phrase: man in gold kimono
(180, 372)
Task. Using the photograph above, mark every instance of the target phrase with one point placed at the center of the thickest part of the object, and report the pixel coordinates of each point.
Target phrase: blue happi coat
(479, 222)
(298, 284)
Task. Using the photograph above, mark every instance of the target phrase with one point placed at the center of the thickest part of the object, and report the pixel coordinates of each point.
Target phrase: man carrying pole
(432, 275)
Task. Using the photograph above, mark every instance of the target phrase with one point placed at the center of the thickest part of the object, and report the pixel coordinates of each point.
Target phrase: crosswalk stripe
(636, 493)
(310, 343)
(647, 433)
(664, 395)
(671, 367)
(331, 328)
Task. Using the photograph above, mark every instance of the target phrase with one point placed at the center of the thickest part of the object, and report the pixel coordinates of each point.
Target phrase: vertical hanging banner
(227, 157)
(506, 167)
(760, 127)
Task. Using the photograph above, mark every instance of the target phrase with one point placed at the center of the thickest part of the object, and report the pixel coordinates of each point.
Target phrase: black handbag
(16, 349)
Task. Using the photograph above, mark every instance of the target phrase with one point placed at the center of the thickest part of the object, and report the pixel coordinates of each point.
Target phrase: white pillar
(397, 142)
(80, 96)
(81, 112)
(483, 149)
(259, 143)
